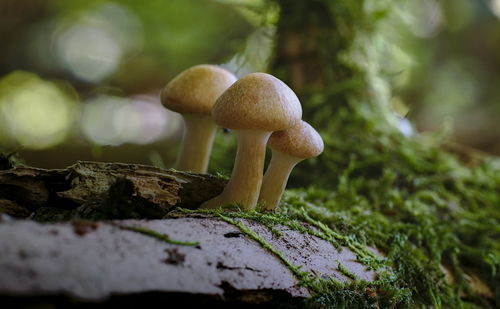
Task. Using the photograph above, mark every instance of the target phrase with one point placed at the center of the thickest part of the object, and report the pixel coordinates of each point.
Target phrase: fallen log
(191, 257)
(108, 234)
(92, 261)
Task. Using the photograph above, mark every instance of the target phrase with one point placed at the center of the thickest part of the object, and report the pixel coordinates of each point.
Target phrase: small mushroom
(289, 147)
(253, 107)
(193, 93)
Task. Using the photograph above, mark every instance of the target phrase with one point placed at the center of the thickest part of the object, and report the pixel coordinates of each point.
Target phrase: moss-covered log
(221, 257)
(435, 216)
(207, 258)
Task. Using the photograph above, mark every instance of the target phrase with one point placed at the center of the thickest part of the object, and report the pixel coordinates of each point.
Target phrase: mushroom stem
(276, 178)
(246, 177)
(199, 133)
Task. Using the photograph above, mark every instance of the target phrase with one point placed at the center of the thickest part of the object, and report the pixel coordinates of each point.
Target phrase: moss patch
(428, 205)
(155, 234)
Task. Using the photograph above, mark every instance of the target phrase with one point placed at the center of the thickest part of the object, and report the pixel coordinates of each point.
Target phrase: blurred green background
(80, 79)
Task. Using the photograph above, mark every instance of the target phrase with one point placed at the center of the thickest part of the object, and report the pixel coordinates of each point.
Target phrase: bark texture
(92, 251)
(94, 190)
(94, 260)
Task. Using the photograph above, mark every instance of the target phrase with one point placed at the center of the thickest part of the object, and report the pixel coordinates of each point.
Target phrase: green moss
(421, 202)
(154, 234)
(303, 277)
(316, 285)
(346, 272)
(415, 200)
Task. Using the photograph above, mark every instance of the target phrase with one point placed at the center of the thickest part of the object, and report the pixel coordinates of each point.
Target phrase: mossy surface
(155, 234)
(433, 211)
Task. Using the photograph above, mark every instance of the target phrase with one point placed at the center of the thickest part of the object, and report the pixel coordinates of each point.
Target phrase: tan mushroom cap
(257, 101)
(195, 90)
(301, 141)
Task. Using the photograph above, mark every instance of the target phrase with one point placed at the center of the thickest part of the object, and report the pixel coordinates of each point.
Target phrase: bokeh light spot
(427, 18)
(109, 120)
(92, 46)
(35, 113)
(157, 122)
(495, 7)
(95, 120)
(89, 52)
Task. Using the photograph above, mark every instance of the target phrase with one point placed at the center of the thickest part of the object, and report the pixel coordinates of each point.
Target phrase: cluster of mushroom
(262, 110)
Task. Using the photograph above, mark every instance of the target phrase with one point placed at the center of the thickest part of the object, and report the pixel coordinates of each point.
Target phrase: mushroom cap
(301, 141)
(196, 89)
(257, 101)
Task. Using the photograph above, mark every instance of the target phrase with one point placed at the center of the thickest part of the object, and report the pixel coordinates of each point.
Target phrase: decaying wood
(89, 252)
(95, 260)
(93, 190)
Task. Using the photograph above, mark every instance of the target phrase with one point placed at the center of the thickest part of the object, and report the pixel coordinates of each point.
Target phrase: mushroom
(254, 107)
(289, 147)
(193, 93)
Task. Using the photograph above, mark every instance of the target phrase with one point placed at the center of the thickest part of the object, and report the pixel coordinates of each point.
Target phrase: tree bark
(94, 190)
(93, 260)
(92, 256)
